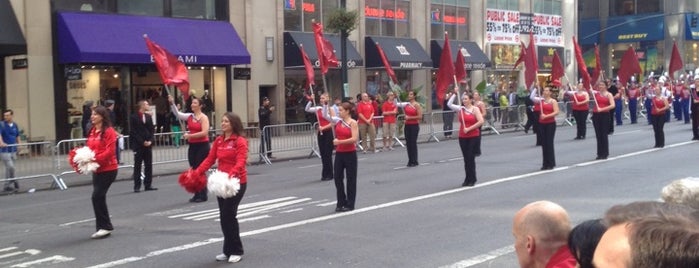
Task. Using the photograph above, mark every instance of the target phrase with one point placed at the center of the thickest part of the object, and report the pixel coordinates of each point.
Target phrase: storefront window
(448, 15)
(387, 17)
(691, 54)
(141, 7)
(503, 4)
(298, 14)
(202, 9)
(295, 92)
(651, 55)
(631, 7)
(95, 84)
(588, 9)
(85, 5)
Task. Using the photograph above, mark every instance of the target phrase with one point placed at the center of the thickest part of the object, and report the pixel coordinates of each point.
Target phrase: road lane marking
(482, 258)
(7, 249)
(327, 204)
(356, 211)
(28, 251)
(50, 260)
(76, 222)
(251, 218)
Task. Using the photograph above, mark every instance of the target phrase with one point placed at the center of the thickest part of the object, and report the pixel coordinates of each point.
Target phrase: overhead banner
(502, 26)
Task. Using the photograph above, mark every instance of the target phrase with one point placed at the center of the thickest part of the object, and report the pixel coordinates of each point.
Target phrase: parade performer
(102, 140)
(547, 126)
(325, 134)
(601, 118)
(581, 109)
(469, 131)
(694, 89)
(346, 136)
(660, 107)
(633, 92)
(482, 106)
(413, 115)
(197, 135)
(536, 112)
(230, 150)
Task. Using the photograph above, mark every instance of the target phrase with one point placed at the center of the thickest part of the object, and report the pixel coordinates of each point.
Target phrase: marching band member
(548, 109)
(471, 120)
(346, 136)
(601, 118)
(581, 109)
(325, 134)
(413, 115)
(633, 92)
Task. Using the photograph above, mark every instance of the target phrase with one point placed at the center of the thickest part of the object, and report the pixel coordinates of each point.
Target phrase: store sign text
(455, 19)
(632, 36)
(185, 59)
(309, 7)
(350, 64)
(410, 65)
(384, 13)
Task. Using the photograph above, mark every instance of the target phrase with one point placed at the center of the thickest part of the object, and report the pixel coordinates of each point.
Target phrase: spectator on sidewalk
(367, 130)
(87, 112)
(9, 138)
(141, 137)
(112, 117)
(265, 114)
(389, 111)
(541, 232)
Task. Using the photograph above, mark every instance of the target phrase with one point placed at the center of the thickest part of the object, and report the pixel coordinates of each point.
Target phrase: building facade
(241, 51)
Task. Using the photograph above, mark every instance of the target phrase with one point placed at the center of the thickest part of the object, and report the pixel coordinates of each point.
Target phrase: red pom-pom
(72, 163)
(192, 181)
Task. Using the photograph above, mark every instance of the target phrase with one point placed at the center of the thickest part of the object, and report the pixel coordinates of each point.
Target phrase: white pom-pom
(85, 159)
(220, 184)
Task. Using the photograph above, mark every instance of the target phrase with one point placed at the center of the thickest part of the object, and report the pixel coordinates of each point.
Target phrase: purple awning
(103, 38)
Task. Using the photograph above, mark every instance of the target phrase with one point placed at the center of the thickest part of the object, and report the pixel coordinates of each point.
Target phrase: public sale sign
(548, 29)
(502, 26)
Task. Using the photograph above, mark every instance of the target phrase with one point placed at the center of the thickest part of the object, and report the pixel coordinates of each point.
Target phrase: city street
(404, 217)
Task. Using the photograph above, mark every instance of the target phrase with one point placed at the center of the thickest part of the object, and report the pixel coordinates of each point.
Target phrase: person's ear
(531, 245)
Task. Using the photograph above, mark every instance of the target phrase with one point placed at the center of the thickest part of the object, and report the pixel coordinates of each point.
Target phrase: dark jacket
(140, 132)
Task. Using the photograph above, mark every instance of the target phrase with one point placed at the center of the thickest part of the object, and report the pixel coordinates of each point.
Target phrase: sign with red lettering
(548, 29)
(502, 26)
(380, 13)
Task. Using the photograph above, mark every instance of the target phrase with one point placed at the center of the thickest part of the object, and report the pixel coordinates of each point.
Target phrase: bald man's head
(539, 228)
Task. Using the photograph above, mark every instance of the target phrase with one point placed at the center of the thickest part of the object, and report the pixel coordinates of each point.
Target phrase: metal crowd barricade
(510, 117)
(443, 122)
(378, 124)
(285, 138)
(34, 160)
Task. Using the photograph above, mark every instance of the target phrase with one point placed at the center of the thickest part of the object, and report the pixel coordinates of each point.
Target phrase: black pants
(601, 122)
(611, 121)
(658, 122)
(477, 150)
(196, 154)
(548, 133)
(468, 146)
(695, 120)
(537, 127)
(581, 122)
(411, 132)
(448, 118)
(228, 212)
(267, 140)
(325, 145)
(346, 162)
(100, 185)
(142, 155)
(633, 110)
(530, 120)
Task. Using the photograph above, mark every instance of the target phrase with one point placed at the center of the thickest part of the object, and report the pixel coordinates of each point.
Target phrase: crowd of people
(643, 234)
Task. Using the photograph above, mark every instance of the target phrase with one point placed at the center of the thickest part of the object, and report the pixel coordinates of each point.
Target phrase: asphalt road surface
(404, 217)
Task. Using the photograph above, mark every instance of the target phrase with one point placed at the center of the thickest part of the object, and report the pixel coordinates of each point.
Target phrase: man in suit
(495, 103)
(141, 138)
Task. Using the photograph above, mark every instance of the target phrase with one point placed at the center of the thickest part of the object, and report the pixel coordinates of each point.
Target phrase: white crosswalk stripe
(252, 211)
(15, 257)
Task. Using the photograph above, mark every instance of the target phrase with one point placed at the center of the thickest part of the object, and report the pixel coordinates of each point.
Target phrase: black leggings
(196, 154)
(100, 185)
(601, 122)
(468, 148)
(346, 162)
(411, 132)
(548, 133)
(581, 122)
(658, 122)
(325, 146)
(227, 212)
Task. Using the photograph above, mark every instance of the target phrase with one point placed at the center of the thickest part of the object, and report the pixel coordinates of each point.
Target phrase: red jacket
(563, 258)
(104, 147)
(231, 154)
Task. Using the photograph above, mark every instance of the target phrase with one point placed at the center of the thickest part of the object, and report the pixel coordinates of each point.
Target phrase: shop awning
(292, 54)
(402, 53)
(474, 57)
(12, 40)
(102, 38)
(588, 31)
(629, 29)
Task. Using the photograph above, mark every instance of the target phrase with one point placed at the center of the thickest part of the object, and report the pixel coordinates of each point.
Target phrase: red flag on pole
(387, 65)
(445, 73)
(582, 68)
(326, 52)
(310, 73)
(629, 66)
(598, 66)
(531, 63)
(675, 61)
(460, 66)
(556, 70)
(522, 55)
(172, 71)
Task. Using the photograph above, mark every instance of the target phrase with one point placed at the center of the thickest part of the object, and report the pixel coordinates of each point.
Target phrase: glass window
(141, 7)
(449, 16)
(203, 9)
(549, 6)
(327, 8)
(631, 7)
(387, 17)
(292, 15)
(311, 11)
(588, 9)
(372, 17)
(85, 5)
(401, 18)
(503, 4)
(298, 14)
(388, 23)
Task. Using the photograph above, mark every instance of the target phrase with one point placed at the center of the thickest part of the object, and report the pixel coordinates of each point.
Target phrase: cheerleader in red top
(102, 140)
(581, 109)
(230, 150)
(197, 135)
(601, 119)
(325, 135)
(547, 125)
(471, 121)
(660, 106)
(413, 115)
(346, 136)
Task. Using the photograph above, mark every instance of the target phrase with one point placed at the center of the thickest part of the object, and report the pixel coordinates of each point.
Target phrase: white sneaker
(221, 257)
(376, 151)
(101, 233)
(235, 258)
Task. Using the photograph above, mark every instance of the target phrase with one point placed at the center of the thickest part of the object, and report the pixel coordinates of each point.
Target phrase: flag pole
(167, 90)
